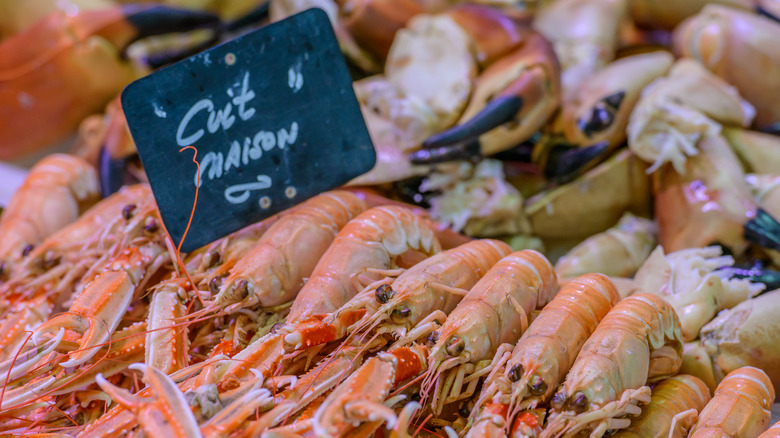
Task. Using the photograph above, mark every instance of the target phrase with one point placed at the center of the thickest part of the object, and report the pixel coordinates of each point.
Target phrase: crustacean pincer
(668, 14)
(512, 98)
(726, 40)
(584, 34)
(359, 398)
(104, 140)
(593, 119)
(745, 335)
(15, 17)
(166, 412)
(66, 67)
(365, 29)
(710, 202)
(675, 112)
(368, 248)
(758, 151)
(98, 309)
(473, 65)
(599, 109)
(362, 397)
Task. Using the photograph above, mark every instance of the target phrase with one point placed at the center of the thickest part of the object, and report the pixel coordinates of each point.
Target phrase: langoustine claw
(165, 413)
(98, 308)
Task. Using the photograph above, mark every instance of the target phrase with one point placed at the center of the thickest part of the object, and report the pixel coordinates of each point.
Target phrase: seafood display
(571, 230)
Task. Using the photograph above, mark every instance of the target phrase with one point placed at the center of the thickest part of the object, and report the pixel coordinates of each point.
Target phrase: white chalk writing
(214, 116)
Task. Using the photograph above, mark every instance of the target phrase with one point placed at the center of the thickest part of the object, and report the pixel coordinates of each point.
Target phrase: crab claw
(462, 142)
(763, 230)
(513, 98)
(112, 172)
(756, 274)
(117, 151)
(564, 163)
(769, 9)
(773, 129)
(67, 67)
(602, 114)
(250, 18)
(374, 23)
(151, 20)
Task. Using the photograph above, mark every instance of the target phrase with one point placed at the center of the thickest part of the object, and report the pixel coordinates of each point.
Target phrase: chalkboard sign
(273, 117)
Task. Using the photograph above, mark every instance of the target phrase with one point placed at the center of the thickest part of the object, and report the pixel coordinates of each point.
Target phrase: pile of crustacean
(633, 142)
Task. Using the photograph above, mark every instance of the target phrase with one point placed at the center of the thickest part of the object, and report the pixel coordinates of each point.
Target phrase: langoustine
(56, 191)
(272, 272)
(61, 259)
(433, 286)
(739, 407)
(494, 313)
(369, 244)
(672, 411)
(543, 355)
(637, 342)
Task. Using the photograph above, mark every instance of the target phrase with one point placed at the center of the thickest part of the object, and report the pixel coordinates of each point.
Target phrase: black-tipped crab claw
(151, 20)
(513, 98)
(602, 114)
(763, 230)
(71, 65)
(561, 163)
(757, 273)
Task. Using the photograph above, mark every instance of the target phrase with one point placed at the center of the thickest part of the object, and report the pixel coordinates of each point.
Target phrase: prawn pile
(346, 315)
(614, 164)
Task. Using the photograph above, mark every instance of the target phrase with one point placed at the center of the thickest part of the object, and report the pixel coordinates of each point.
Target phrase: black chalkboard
(273, 117)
